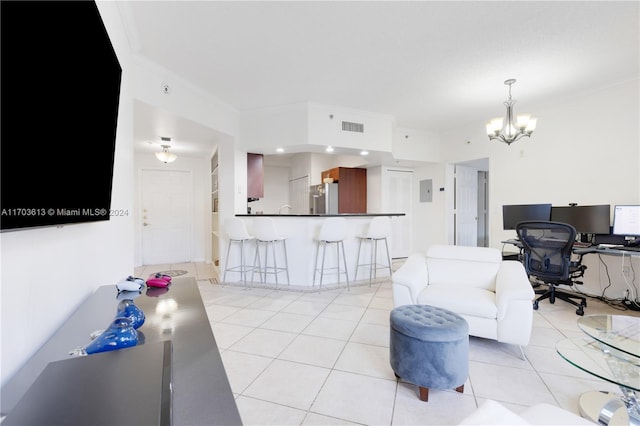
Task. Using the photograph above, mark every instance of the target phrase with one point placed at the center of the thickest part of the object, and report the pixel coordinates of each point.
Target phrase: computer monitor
(586, 219)
(626, 220)
(512, 214)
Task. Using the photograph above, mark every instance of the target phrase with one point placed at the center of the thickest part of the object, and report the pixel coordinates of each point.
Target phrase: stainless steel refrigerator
(323, 199)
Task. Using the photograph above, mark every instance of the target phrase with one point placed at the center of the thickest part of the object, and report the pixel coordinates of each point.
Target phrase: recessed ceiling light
(364, 152)
(329, 149)
(279, 149)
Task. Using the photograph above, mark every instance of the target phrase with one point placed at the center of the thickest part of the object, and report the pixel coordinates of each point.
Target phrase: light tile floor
(322, 358)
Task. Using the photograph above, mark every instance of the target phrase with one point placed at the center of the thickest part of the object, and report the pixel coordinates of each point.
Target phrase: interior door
(166, 200)
(399, 184)
(466, 206)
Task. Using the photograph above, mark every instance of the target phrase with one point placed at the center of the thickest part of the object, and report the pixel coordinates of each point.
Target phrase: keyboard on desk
(628, 248)
(580, 244)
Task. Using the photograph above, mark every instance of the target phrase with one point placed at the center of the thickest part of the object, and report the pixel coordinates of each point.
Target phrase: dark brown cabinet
(352, 188)
(255, 175)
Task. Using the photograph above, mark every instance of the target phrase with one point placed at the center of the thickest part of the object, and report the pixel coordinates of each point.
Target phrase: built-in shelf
(215, 237)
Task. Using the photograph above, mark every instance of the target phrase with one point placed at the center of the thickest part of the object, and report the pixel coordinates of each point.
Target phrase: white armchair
(493, 295)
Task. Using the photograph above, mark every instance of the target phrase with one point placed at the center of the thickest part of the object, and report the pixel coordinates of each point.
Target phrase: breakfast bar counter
(301, 231)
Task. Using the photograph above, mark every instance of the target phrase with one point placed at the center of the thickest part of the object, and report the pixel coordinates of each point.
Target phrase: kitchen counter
(301, 231)
(323, 215)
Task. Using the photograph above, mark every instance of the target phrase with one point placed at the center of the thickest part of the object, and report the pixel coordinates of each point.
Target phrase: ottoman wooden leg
(424, 393)
(460, 389)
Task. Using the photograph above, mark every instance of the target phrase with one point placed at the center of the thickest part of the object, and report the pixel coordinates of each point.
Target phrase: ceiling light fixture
(329, 149)
(511, 128)
(165, 156)
(364, 152)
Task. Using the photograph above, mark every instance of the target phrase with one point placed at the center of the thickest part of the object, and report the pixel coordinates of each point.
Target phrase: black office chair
(548, 257)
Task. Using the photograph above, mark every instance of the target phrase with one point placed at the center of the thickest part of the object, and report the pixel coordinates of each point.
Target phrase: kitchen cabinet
(352, 188)
(215, 235)
(255, 175)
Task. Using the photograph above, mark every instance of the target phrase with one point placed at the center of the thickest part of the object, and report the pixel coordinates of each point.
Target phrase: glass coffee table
(611, 351)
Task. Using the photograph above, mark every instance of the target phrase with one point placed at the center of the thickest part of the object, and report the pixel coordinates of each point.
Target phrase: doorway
(469, 217)
(166, 205)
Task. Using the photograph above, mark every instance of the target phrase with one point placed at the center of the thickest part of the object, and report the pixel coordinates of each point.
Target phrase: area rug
(172, 272)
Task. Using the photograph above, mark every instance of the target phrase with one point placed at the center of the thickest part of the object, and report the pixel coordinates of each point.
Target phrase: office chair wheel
(535, 305)
(580, 311)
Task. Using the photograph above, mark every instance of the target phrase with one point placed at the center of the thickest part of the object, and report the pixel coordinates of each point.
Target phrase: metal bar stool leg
(386, 244)
(226, 266)
(275, 263)
(344, 259)
(372, 259)
(315, 265)
(355, 276)
(286, 261)
(324, 255)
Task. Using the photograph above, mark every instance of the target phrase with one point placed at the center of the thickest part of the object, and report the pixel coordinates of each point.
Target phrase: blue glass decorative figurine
(128, 309)
(120, 334)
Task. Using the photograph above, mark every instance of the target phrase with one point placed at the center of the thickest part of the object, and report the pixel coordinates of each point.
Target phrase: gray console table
(201, 393)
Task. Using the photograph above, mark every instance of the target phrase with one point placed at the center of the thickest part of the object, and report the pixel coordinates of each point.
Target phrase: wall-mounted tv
(60, 88)
(512, 214)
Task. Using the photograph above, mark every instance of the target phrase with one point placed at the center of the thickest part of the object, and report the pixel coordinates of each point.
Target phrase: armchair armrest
(512, 284)
(410, 279)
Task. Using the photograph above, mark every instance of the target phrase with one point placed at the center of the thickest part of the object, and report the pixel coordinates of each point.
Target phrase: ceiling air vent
(352, 127)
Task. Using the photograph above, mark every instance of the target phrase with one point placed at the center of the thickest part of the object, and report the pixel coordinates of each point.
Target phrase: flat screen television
(512, 214)
(626, 220)
(60, 88)
(586, 219)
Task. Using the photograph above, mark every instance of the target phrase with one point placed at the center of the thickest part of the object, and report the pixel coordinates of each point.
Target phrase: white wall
(276, 191)
(585, 150)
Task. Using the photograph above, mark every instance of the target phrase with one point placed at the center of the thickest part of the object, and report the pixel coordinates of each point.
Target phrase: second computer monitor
(512, 214)
(586, 219)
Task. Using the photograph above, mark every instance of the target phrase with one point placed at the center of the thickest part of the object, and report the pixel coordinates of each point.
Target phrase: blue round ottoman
(429, 347)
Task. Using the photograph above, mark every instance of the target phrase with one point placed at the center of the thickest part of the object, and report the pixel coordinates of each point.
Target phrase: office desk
(583, 250)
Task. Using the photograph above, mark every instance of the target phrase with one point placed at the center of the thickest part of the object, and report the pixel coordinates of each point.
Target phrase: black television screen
(586, 219)
(60, 88)
(512, 214)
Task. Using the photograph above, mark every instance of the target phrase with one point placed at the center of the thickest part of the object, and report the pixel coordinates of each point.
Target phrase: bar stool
(379, 229)
(332, 231)
(236, 230)
(266, 232)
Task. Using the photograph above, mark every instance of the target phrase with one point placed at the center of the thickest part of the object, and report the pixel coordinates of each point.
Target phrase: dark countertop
(201, 391)
(324, 215)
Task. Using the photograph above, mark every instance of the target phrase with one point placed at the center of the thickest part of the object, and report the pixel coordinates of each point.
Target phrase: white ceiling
(433, 65)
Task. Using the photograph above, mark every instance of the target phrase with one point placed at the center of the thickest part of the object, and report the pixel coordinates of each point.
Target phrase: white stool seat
(332, 231)
(266, 233)
(379, 229)
(236, 231)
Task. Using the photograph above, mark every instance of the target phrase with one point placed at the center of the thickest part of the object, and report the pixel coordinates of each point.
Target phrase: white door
(166, 199)
(398, 193)
(466, 206)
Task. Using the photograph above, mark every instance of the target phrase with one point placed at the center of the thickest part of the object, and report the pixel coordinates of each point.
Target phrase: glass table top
(619, 332)
(602, 361)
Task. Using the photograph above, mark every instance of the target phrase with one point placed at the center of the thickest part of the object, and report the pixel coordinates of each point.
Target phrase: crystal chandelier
(511, 128)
